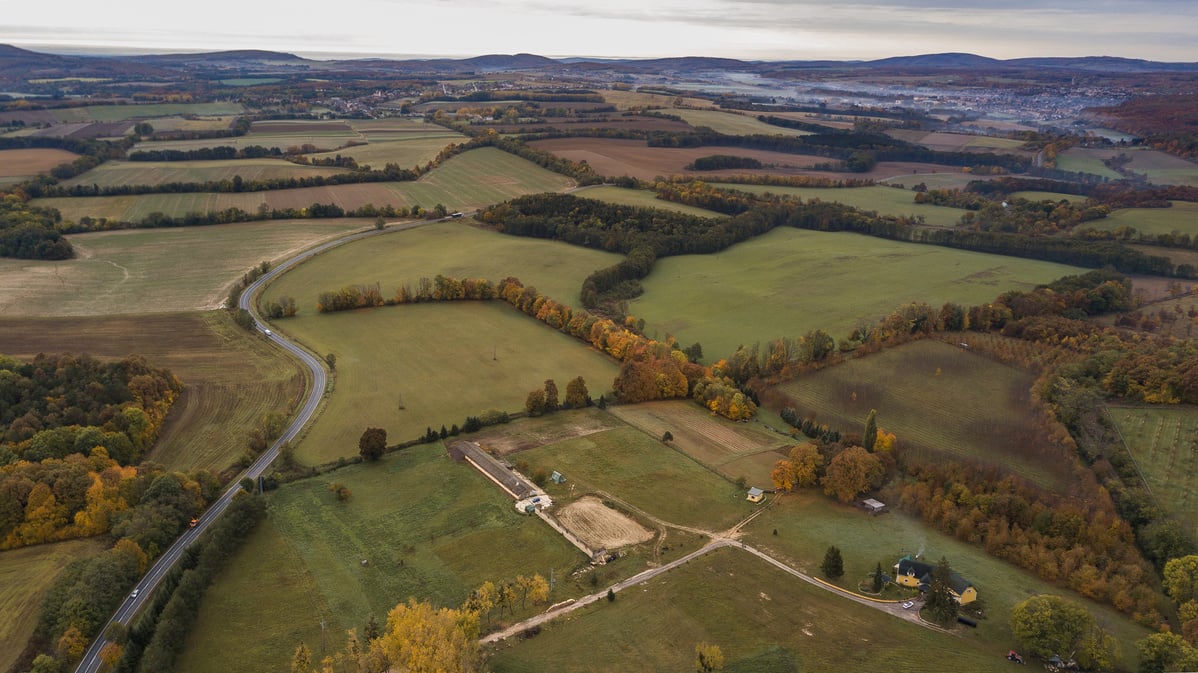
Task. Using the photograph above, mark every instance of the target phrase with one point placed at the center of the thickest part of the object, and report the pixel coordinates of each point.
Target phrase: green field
(471, 180)
(1163, 168)
(1086, 161)
(116, 173)
(946, 179)
(763, 620)
(791, 281)
(454, 249)
(25, 575)
(405, 152)
(733, 124)
(1164, 442)
(884, 200)
(1182, 217)
(1048, 196)
(155, 270)
(426, 527)
(645, 473)
(641, 198)
(808, 523)
(116, 113)
(936, 397)
(406, 368)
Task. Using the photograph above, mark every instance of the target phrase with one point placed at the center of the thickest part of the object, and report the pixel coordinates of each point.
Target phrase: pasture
(808, 522)
(644, 472)
(642, 198)
(1083, 160)
(118, 173)
(763, 620)
(733, 124)
(471, 180)
(1182, 217)
(455, 249)
(877, 198)
(731, 449)
(1164, 442)
(138, 271)
(407, 368)
(232, 377)
(25, 576)
(426, 526)
(789, 282)
(939, 400)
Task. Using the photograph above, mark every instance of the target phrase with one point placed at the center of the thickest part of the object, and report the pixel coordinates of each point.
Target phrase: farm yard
(232, 378)
(789, 282)
(1164, 443)
(939, 400)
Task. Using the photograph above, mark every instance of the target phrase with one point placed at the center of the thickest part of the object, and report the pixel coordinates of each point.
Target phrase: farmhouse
(912, 573)
(756, 494)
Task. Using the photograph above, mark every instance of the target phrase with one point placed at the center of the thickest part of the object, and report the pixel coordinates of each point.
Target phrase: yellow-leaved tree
(423, 639)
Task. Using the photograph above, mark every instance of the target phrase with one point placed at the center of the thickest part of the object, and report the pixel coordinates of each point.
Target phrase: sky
(1162, 30)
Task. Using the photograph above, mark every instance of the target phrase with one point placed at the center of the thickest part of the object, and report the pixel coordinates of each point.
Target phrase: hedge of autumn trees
(30, 232)
(649, 370)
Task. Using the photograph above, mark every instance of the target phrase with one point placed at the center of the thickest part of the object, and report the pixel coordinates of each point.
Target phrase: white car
(134, 594)
(908, 605)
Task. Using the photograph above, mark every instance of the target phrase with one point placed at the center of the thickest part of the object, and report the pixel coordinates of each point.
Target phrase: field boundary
(1106, 409)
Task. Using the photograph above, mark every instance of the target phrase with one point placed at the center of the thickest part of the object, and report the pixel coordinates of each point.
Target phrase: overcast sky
(1163, 30)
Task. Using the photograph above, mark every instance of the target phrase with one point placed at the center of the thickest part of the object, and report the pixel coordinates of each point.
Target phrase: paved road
(316, 391)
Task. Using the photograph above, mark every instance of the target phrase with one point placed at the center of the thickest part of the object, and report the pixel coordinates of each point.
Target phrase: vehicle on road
(134, 594)
(908, 605)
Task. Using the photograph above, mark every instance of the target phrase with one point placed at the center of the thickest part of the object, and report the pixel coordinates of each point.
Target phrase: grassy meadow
(884, 200)
(407, 368)
(791, 281)
(426, 527)
(935, 397)
(155, 270)
(733, 124)
(1164, 442)
(25, 576)
(471, 180)
(641, 198)
(763, 620)
(455, 249)
(1182, 217)
(1081, 160)
(231, 377)
(809, 522)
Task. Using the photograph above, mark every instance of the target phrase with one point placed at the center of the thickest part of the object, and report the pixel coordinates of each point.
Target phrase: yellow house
(756, 495)
(909, 572)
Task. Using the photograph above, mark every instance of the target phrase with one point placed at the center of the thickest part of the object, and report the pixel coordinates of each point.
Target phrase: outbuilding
(756, 494)
(873, 506)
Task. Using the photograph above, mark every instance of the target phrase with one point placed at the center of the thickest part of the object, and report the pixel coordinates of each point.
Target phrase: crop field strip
(884, 200)
(31, 162)
(117, 173)
(789, 282)
(936, 398)
(232, 377)
(641, 198)
(1164, 443)
(471, 180)
(733, 124)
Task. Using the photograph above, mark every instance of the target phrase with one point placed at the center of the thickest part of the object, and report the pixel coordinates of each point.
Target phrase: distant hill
(950, 60)
(1104, 64)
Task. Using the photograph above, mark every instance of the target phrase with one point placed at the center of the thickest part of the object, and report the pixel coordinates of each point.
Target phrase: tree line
(31, 232)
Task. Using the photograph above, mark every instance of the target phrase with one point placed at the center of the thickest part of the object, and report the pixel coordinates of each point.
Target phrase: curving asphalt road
(140, 596)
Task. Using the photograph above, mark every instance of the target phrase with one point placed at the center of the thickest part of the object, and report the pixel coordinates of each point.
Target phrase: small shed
(557, 477)
(756, 494)
(873, 506)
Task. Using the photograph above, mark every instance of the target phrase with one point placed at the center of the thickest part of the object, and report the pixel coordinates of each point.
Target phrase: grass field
(115, 173)
(937, 397)
(432, 542)
(625, 100)
(404, 152)
(643, 472)
(1164, 168)
(232, 377)
(884, 200)
(1164, 442)
(154, 270)
(734, 124)
(809, 522)
(455, 249)
(957, 142)
(1081, 160)
(1048, 196)
(789, 282)
(1182, 217)
(732, 449)
(763, 620)
(25, 575)
(471, 180)
(642, 198)
(944, 178)
(407, 368)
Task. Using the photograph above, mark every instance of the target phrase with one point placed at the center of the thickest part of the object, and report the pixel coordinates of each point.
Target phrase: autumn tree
(1160, 652)
(577, 395)
(301, 661)
(422, 639)
(551, 403)
(833, 563)
(852, 472)
(1181, 578)
(372, 444)
(871, 430)
(1046, 625)
(708, 658)
(534, 404)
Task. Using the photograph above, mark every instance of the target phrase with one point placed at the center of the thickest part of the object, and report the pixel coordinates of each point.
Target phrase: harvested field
(635, 158)
(600, 121)
(734, 124)
(286, 127)
(527, 433)
(640, 99)
(959, 142)
(30, 162)
(232, 377)
(600, 526)
(118, 173)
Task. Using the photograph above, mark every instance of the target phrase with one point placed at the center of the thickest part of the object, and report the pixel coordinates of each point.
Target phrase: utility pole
(322, 635)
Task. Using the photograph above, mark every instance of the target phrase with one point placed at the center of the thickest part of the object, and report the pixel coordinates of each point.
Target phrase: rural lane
(145, 588)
